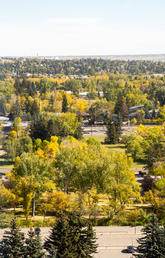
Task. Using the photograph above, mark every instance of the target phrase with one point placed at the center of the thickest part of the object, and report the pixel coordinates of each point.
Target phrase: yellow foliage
(23, 100)
(56, 201)
(13, 133)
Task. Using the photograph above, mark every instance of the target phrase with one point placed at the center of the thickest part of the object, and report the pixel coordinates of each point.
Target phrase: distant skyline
(88, 27)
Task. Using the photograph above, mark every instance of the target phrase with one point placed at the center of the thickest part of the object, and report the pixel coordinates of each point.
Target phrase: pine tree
(83, 237)
(118, 125)
(34, 247)
(111, 133)
(58, 244)
(12, 244)
(35, 108)
(152, 245)
(71, 237)
(64, 104)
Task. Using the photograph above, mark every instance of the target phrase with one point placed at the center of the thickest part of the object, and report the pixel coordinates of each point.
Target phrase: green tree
(12, 244)
(121, 185)
(32, 179)
(113, 131)
(147, 144)
(16, 146)
(71, 237)
(65, 124)
(35, 110)
(64, 104)
(100, 111)
(79, 166)
(34, 247)
(152, 245)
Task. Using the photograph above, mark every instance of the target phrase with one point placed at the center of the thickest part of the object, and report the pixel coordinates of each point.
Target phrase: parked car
(130, 249)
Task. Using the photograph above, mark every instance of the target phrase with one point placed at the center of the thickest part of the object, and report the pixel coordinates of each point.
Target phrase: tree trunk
(33, 207)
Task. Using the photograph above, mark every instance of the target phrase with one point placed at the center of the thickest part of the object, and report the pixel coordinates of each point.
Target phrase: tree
(65, 124)
(100, 111)
(32, 179)
(148, 183)
(113, 131)
(12, 244)
(56, 201)
(34, 247)
(79, 166)
(16, 146)
(6, 196)
(64, 104)
(152, 245)
(147, 144)
(35, 110)
(71, 237)
(121, 186)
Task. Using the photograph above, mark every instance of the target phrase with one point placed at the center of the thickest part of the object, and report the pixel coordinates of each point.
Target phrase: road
(101, 130)
(111, 240)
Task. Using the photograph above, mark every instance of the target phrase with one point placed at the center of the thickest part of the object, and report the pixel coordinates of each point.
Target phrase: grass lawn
(98, 138)
(4, 163)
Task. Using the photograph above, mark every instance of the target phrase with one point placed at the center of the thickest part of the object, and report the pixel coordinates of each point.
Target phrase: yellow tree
(121, 187)
(32, 178)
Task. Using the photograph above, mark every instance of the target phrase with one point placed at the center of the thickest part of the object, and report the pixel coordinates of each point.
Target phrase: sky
(81, 27)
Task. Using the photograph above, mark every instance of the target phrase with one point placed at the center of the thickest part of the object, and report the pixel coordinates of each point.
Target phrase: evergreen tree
(83, 237)
(64, 104)
(58, 244)
(113, 131)
(71, 237)
(12, 244)
(35, 110)
(119, 104)
(118, 124)
(34, 247)
(121, 107)
(152, 245)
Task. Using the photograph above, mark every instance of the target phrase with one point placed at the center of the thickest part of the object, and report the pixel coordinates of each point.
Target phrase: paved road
(101, 130)
(111, 240)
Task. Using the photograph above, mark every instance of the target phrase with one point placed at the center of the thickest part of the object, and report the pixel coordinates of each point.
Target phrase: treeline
(79, 67)
(46, 95)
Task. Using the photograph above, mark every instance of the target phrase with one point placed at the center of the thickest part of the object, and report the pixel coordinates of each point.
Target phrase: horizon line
(87, 55)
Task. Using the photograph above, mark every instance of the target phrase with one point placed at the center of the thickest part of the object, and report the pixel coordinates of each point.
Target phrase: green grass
(113, 148)
(4, 162)
(98, 138)
(138, 165)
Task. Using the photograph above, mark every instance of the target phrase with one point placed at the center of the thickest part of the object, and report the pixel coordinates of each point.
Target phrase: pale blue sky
(82, 27)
